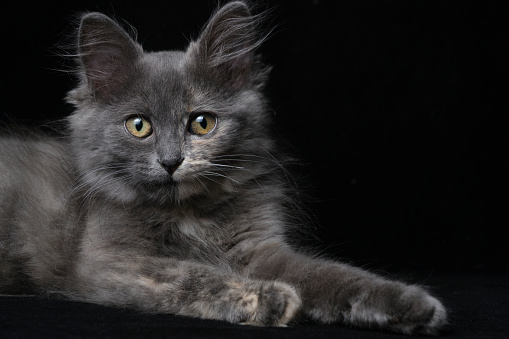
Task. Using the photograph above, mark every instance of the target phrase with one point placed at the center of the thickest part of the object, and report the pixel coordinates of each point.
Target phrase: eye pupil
(138, 124)
(202, 121)
(202, 124)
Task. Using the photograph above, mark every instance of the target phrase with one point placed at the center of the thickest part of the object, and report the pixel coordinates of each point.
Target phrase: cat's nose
(171, 165)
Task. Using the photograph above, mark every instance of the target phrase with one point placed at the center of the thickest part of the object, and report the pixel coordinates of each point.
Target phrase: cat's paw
(419, 313)
(268, 303)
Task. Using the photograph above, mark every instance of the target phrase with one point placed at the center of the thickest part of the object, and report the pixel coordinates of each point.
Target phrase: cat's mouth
(166, 180)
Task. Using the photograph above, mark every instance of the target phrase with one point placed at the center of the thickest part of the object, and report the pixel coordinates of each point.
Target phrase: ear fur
(228, 43)
(107, 54)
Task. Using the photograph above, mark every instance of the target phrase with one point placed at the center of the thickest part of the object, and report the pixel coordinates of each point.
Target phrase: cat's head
(161, 127)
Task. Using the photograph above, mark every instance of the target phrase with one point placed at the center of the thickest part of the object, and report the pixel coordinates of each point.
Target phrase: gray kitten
(168, 195)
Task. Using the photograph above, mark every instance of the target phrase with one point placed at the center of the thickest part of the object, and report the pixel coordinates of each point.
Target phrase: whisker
(201, 182)
(206, 177)
(228, 166)
(95, 185)
(221, 175)
(83, 175)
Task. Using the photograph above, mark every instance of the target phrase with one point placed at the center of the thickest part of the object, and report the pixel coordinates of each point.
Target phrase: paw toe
(426, 314)
(277, 304)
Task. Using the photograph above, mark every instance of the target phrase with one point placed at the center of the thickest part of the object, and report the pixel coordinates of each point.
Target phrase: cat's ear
(228, 42)
(107, 54)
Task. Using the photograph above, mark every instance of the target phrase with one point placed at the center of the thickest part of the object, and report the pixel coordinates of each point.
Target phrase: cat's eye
(138, 126)
(202, 123)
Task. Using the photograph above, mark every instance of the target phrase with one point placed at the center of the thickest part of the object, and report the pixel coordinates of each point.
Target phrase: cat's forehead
(163, 65)
(161, 78)
(168, 79)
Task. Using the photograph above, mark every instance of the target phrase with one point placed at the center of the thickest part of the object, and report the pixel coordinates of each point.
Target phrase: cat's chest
(189, 235)
(184, 233)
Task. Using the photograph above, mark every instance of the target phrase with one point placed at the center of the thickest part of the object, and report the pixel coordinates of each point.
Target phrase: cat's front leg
(166, 285)
(335, 292)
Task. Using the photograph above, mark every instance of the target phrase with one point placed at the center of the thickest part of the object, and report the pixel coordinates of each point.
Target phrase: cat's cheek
(122, 194)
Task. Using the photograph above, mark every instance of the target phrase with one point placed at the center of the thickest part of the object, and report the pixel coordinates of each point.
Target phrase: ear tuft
(228, 42)
(106, 53)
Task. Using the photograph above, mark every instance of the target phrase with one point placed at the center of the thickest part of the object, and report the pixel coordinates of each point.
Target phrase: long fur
(97, 216)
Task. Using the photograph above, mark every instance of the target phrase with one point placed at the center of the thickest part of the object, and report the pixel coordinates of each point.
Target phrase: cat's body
(168, 194)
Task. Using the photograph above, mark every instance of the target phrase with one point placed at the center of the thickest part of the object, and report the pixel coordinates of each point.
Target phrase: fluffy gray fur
(97, 216)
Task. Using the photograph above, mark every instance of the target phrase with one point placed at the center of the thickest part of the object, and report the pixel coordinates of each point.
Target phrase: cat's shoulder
(29, 145)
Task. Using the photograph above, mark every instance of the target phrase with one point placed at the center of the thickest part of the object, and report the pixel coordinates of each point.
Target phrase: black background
(395, 109)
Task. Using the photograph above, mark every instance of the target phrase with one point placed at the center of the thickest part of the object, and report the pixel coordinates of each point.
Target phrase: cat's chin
(168, 191)
(162, 194)
(185, 189)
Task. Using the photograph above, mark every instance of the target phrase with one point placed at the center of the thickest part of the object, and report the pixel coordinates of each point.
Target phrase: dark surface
(396, 109)
(478, 305)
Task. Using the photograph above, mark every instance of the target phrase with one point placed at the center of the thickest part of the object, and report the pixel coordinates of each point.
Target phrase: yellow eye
(138, 126)
(202, 123)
